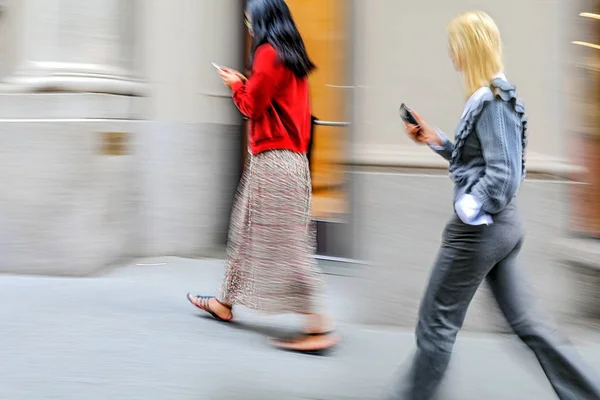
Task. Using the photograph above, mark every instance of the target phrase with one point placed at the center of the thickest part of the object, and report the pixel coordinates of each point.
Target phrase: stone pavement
(131, 334)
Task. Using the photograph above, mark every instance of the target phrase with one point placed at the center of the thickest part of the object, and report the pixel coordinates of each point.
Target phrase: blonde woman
(484, 237)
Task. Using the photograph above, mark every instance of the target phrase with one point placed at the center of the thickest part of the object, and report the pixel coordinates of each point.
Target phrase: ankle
(318, 324)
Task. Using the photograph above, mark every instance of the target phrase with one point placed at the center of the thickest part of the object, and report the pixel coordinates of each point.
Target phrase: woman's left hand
(422, 133)
(229, 77)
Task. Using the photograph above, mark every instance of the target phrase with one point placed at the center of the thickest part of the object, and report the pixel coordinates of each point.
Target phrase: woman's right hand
(237, 73)
(423, 133)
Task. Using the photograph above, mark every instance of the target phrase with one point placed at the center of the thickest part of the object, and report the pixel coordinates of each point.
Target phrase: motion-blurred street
(131, 334)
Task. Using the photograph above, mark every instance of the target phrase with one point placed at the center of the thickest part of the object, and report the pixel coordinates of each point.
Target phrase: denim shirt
(487, 162)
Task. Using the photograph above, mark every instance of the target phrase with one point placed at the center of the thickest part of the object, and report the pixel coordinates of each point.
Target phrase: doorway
(324, 25)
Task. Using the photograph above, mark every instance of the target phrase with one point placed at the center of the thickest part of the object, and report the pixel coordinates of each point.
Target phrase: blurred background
(120, 152)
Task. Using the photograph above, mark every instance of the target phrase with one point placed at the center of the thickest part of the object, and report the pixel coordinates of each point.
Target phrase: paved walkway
(132, 335)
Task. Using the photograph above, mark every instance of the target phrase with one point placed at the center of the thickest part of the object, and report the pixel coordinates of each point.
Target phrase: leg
(235, 281)
(460, 268)
(569, 376)
(305, 282)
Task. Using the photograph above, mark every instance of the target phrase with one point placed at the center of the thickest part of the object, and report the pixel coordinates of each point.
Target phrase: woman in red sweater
(270, 264)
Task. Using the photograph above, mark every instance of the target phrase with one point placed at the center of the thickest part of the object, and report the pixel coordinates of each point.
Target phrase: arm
(254, 96)
(499, 133)
(446, 148)
(423, 133)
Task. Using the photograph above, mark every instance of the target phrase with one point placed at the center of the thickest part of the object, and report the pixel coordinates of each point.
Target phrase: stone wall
(76, 74)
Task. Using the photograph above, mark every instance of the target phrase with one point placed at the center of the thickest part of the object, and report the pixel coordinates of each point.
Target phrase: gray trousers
(468, 255)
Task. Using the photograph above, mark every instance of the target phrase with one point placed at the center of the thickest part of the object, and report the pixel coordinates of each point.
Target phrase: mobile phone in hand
(407, 116)
(217, 66)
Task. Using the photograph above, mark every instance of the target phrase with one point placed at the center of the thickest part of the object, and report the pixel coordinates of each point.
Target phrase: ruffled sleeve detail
(499, 88)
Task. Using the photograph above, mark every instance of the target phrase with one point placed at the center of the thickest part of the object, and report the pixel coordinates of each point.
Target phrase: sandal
(203, 303)
(281, 344)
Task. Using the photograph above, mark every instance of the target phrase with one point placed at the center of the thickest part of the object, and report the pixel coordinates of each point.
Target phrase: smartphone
(217, 66)
(407, 116)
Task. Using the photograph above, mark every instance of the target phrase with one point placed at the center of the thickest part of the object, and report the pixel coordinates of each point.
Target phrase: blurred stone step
(53, 106)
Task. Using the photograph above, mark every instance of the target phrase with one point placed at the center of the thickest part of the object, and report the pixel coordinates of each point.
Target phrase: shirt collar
(479, 93)
(500, 76)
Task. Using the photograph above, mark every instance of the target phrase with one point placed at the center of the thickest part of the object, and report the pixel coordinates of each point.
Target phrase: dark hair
(272, 23)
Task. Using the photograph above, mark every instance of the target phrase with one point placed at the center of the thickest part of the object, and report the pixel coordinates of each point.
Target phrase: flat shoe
(203, 303)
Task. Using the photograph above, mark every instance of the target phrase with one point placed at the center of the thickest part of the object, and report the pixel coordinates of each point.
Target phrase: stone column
(71, 109)
(75, 46)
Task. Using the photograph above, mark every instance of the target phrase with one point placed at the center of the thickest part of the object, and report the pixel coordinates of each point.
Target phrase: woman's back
(277, 103)
(488, 156)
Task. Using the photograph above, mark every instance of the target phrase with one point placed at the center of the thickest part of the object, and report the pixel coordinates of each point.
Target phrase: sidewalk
(132, 335)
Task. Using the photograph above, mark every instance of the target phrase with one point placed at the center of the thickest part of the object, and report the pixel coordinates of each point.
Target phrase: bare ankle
(318, 323)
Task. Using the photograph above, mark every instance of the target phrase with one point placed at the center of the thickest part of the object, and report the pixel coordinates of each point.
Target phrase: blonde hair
(476, 46)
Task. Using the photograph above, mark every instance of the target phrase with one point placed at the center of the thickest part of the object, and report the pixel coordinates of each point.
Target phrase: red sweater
(277, 103)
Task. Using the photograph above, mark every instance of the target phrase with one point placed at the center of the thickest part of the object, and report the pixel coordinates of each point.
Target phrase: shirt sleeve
(499, 133)
(253, 97)
(469, 211)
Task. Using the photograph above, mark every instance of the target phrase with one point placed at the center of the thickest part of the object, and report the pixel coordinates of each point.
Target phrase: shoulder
(501, 100)
(497, 104)
(499, 117)
(266, 52)
(497, 107)
(266, 59)
(506, 93)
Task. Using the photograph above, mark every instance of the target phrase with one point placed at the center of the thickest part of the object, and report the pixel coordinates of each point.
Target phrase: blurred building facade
(119, 141)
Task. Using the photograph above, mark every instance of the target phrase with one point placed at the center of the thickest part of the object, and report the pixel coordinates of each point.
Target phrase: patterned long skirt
(270, 264)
